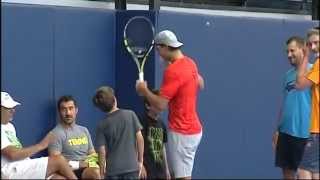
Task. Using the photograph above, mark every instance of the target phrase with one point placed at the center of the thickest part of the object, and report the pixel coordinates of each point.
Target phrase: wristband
(74, 164)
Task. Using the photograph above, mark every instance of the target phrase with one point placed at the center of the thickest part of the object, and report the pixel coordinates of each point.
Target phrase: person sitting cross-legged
(74, 141)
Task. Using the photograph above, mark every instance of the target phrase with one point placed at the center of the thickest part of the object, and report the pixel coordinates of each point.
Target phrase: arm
(54, 152)
(55, 149)
(90, 159)
(166, 162)
(74, 164)
(157, 101)
(276, 132)
(302, 81)
(201, 82)
(102, 160)
(140, 144)
(91, 151)
(14, 154)
(91, 147)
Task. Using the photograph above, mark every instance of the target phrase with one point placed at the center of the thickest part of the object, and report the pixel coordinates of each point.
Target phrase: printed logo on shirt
(78, 141)
(290, 86)
(13, 139)
(155, 138)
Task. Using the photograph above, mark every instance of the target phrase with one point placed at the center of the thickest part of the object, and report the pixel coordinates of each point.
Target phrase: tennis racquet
(139, 40)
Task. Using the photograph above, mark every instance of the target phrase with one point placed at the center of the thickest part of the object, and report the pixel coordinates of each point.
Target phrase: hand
(306, 51)
(141, 87)
(143, 174)
(49, 138)
(275, 140)
(305, 56)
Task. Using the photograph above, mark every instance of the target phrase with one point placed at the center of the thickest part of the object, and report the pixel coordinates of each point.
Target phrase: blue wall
(126, 70)
(243, 61)
(50, 51)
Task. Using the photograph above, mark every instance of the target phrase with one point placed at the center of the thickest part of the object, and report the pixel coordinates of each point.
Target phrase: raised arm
(302, 81)
(156, 101)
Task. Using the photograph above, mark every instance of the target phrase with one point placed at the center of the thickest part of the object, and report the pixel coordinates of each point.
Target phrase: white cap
(7, 101)
(167, 38)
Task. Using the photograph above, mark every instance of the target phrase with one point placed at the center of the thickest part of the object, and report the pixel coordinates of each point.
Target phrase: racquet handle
(141, 79)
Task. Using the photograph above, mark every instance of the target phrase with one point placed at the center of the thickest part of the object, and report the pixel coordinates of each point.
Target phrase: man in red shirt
(179, 90)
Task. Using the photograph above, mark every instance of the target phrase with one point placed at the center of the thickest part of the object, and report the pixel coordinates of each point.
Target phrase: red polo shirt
(180, 86)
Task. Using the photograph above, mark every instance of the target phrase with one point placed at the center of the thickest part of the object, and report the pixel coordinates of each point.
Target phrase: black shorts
(289, 151)
(78, 172)
(129, 176)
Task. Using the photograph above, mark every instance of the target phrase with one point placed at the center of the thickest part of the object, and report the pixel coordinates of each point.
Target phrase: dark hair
(173, 48)
(300, 41)
(104, 98)
(169, 47)
(66, 98)
(145, 100)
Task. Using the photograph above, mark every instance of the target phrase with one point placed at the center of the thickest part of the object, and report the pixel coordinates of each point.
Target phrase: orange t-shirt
(314, 75)
(180, 86)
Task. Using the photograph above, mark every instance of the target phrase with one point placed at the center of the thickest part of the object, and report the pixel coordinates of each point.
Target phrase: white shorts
(182, 149)
(26, 169)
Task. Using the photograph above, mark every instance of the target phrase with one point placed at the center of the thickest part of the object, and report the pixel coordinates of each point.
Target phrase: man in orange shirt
(309, 167)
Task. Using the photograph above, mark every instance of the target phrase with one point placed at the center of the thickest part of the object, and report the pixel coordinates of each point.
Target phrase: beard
(68, 120)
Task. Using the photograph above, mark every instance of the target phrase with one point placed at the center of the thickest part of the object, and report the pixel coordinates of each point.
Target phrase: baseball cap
(7, 101)
(167, 38)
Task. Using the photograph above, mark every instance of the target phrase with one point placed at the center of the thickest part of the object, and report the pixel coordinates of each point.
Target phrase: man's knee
(91, 173)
